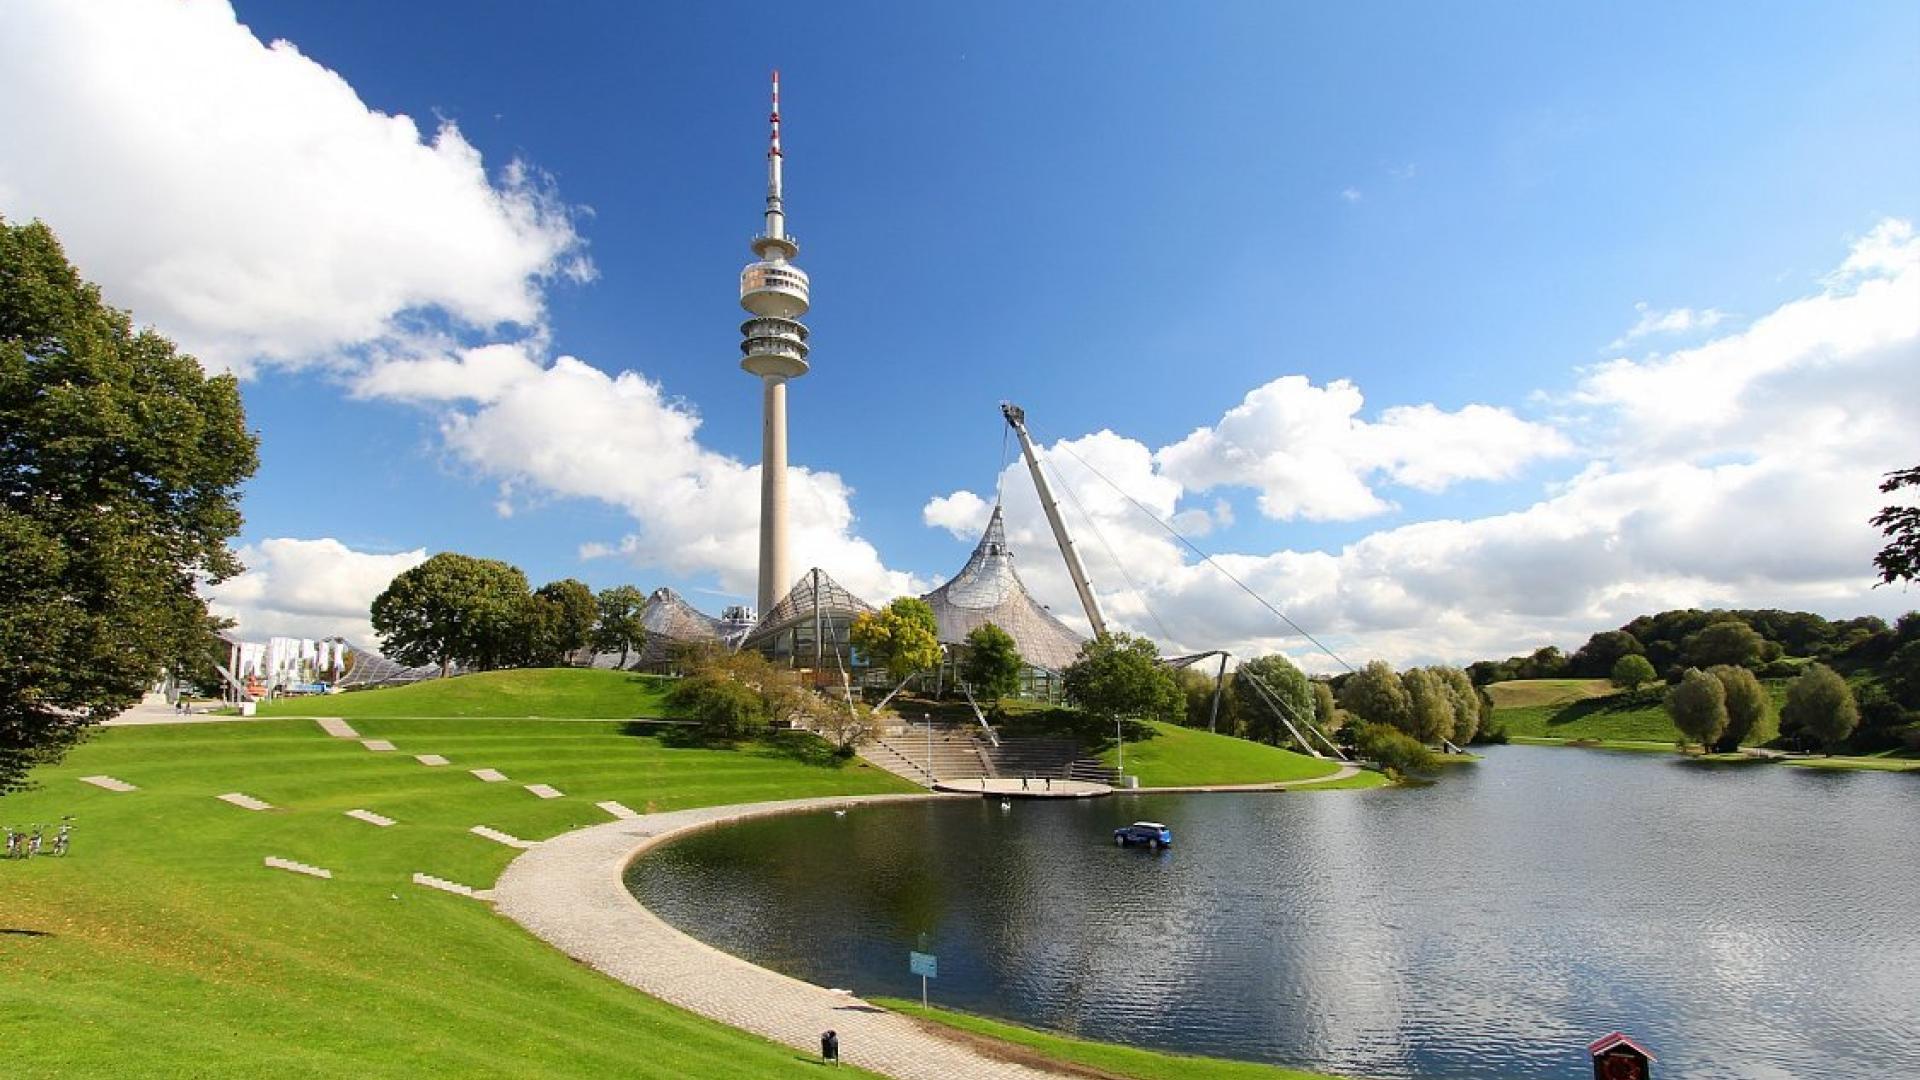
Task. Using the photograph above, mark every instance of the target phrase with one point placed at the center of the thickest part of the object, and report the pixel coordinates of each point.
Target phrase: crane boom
(1017, 419)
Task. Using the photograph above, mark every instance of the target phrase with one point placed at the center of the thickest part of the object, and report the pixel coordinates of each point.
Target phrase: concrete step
(277, 863)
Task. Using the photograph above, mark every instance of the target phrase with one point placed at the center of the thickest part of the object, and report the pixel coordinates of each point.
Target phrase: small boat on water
(1150, 833)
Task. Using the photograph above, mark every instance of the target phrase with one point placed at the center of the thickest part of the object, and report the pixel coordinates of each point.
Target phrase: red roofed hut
(1617, 1057)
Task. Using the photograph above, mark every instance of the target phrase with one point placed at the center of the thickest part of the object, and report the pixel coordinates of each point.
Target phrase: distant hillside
(579, 693)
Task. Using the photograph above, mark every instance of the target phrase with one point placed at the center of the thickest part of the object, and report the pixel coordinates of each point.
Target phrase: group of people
(26, 844)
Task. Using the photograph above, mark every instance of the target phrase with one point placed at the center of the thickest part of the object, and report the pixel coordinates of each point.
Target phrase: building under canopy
(673, 627)
(809, 627)
(989, 590)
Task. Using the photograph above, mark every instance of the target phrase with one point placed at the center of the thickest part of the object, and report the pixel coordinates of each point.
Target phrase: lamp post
(926, 721)
(1122, 744)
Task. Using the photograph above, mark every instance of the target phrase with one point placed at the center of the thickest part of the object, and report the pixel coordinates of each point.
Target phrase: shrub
(1397, 752)
(724, 708)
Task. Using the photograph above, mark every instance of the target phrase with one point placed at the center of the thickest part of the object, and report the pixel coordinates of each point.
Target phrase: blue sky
(1124, 216)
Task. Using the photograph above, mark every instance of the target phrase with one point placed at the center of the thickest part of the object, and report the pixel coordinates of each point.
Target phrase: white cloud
(571, 430)
(1676, 321)
(1307, 452)
(1737, 473)
(1350, 194)
(307, 588)
(244, 199)
(963, 514)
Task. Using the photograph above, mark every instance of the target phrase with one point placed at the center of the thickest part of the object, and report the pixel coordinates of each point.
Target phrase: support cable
(1138, 594)
(1209, 559)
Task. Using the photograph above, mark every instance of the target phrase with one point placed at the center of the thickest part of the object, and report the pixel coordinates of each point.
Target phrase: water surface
(1751, 922)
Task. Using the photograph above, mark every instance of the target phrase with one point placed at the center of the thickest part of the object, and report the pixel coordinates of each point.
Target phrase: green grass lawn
(1517, 693)
(1178, 756)
(550, 692)
(1615, 716)
(161, 947)
(1110, 1060)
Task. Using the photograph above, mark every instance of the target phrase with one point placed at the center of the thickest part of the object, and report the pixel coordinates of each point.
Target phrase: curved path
(569, 892)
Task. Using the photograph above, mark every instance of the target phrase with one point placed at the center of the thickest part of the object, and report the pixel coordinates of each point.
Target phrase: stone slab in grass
(430, 759)
(379, 745)
(244, 802)
(617, 809)
(546, 791)
(337, 727)
(491, 776)
(499, 837)
(370, 817)
(109, 783)
(453, 887)
(277, 863)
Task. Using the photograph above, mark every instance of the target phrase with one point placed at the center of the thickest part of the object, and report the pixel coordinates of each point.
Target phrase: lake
(1746, 921)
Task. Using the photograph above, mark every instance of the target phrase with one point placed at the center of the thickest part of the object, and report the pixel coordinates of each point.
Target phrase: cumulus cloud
(307, 588)
(1737, 473)
(569, 429)
(1310, 455)
(243, 199)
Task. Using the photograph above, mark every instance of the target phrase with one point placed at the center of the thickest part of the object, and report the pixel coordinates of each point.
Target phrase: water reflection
(1745, 923)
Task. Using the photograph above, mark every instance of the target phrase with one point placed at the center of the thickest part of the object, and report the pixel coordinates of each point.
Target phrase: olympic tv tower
(773, 344)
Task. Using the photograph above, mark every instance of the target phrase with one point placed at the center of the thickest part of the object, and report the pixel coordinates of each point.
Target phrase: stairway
(1061, 758)
(954, 752)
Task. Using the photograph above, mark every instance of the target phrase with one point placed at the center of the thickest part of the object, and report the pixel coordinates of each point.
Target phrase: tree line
(480, 614)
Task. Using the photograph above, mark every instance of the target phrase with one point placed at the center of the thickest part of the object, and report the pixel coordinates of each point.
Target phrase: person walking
(830, 1048)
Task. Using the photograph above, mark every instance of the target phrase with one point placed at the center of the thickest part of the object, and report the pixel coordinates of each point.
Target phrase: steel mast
(1017, 419)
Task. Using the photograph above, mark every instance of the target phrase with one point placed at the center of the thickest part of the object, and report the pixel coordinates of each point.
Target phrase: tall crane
(1017, 420)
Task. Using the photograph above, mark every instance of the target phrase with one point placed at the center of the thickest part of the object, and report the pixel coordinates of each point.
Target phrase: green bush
(724, 707)
(1395, 750)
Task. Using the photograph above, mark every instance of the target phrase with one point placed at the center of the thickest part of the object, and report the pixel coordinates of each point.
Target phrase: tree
(574, 615)
(121, 462)
(1698, 706)
(618, 623)
(1469, 705)
(1286, 686)
(1902, 674)
(1900, 559)
(1375, 694)
(1729, 641)
(1118, 676)
(1632, 671)
(1325, 713)
(1746, 704)
(992, 665)
(1602, 651)
(902, 637)
(452, 609)
(1820, 706)
(1429, 716)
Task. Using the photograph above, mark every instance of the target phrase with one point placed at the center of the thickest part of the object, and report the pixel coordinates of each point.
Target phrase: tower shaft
(775, 575)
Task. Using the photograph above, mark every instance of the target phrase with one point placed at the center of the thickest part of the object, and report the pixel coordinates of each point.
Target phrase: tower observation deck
(773, 345)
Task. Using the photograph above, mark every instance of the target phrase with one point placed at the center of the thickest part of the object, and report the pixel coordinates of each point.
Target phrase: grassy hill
(162, 947)
(1524, 693)
(1178, 756)
(1553, 709)
(555, 692)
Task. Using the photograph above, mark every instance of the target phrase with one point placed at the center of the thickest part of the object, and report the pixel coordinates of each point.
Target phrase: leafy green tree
(1468, 704)
(1820, 706)
(1288, 687)
(725, 708)
(1632, 671)
(1747, 705)
(618, 624)
(1698, 706)
(1119, 676)
(1396, 752)
(1900, 559)
(992, 663)
(1602, 651)
(1730, 642)
(902, 637)
(452, 609)
(1430, 707)
(1902, 674)
(1376, 695)
(574, 615)
(1325, 713)
(120, 469)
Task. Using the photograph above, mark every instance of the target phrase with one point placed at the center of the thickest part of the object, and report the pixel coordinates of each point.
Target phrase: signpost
(925, 965)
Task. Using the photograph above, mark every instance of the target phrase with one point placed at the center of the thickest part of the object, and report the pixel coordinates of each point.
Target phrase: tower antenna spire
(776, 210)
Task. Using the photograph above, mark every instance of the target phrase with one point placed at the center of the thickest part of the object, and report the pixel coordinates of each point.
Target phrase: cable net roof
(672, 622)
(988, 590)
(815, 590)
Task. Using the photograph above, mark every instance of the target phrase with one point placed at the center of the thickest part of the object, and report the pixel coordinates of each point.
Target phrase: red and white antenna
(776, 208)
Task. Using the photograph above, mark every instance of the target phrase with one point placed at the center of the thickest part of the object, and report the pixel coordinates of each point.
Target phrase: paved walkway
(1032, 788)
(568, 892)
